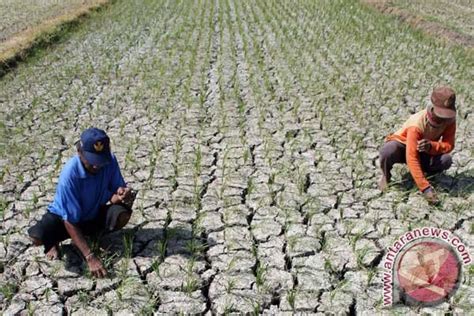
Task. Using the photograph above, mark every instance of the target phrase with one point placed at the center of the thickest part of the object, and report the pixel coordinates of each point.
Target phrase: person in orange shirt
(423, 142)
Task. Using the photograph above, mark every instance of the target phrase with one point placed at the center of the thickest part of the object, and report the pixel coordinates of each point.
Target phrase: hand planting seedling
(423, 143)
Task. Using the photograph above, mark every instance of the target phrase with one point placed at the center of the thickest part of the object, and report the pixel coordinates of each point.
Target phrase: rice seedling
(8, 290)
(230, 285)
(291, 298)
(260, 272)
(191, 284)
(128, 245)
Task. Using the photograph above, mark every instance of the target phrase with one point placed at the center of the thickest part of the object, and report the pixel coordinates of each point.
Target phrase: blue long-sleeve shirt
(79, 194)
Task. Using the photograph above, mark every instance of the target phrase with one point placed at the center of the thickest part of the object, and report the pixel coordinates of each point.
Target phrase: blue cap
(95, 146)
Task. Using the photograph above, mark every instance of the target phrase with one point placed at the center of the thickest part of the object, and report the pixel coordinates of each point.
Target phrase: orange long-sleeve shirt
(417, 128)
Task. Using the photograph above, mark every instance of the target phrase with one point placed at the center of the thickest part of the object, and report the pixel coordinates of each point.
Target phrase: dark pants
(50, 229)
(393, 152)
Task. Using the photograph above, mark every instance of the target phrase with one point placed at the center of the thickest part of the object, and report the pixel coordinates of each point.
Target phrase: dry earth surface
(251, 130)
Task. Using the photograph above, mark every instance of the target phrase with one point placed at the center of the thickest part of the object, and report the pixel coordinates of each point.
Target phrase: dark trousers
(50, 228)
(393, 152)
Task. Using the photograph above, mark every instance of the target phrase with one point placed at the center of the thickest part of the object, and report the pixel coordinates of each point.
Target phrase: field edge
(430, 28)
(19, 46)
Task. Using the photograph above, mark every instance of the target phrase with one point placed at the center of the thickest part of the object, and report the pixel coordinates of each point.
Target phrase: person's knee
(36, 241)
(122, 220)
(387, 152)
(446, 161)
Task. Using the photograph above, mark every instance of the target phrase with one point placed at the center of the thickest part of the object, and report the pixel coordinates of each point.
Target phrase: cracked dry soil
(251, 130)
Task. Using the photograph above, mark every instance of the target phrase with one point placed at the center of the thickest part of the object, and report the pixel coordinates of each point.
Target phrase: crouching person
(423, 142)
(91, 196)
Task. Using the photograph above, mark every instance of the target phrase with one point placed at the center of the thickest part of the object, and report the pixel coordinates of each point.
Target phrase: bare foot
(53, 253)
(383, 183)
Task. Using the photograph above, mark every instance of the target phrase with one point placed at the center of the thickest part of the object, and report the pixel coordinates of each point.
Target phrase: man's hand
(121, 195)
(96, 267)
(424, 145)
(431, 196)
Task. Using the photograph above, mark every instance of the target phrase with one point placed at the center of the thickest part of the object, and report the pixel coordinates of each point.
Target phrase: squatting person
(91, 196)
(423, 142)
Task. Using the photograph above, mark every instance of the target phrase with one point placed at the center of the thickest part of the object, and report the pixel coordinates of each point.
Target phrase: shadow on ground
(156, 243)
(460, 185)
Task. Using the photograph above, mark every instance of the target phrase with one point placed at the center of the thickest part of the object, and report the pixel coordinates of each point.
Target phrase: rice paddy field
(251, 130)
(16, 16)
(456, 15)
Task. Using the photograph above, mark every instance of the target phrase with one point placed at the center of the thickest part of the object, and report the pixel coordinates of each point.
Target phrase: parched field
(251, 130)
(16, 16)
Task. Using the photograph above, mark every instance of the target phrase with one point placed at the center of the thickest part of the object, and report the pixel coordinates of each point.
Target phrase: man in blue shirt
(91, 196)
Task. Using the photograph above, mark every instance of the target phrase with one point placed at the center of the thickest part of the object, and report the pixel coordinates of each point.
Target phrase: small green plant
(150, 307)
(291, 298)
(302, 181)
(83, 298)
(197, 160)
(292, 241)
(190, 285)
(371, 273)
(324, 242)
(470, 275)
(231, 264)
(119, 291)
(246, 155)
(194, 247)
(128, 245)
(360, 256)
(8, 290)
(155, 265)
(260, 272)
(107, 260)
(30, 309)
(328, 267)
(339, 286)
(35, 200)
(229, 285)
(257, 308)
(354, 239)
(47, 294)
(250, 185)
(228, 309)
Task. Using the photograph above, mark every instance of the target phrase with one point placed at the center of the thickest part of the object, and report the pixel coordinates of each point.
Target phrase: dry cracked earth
(251, 130)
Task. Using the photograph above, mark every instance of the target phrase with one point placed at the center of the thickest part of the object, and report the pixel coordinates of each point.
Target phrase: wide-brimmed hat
(443, 99)
(95, 146)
